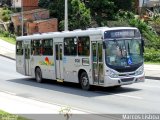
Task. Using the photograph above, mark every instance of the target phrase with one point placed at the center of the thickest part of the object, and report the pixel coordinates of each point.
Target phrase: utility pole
(66, 16)
(22, 15)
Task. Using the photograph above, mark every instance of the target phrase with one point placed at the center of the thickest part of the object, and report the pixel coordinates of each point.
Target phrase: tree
(101, 10)
(124, 4)
(98, 12)
(11, 28)
(78, 15)
(6, 2)
(44, 3)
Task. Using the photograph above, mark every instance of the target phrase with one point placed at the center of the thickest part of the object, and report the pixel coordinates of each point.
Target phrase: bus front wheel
(84, 81)
(38, 75)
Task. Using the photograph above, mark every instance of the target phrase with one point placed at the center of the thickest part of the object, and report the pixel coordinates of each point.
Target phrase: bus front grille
(127, 79)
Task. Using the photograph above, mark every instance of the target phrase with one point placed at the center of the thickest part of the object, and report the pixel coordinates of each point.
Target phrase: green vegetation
(5, 14)
(9, 40)
(152, 55)
(79, 16)
(153, 63)
(7, 116)
(5, 17)
(6, 36)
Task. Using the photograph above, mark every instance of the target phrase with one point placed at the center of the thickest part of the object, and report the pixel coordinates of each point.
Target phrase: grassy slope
(155, 63)
(7, 116)
(9, 40)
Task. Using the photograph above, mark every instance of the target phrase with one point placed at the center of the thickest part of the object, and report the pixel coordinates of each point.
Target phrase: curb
(7, 57)
(153, 78)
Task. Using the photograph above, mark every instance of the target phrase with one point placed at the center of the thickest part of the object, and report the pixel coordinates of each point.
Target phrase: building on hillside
(153, 5)
(28, 16)
(42, 26)
(26, 4)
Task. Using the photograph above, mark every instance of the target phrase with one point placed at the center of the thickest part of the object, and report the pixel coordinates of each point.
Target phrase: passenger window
(70, 46)
(19, 48)
(42, 47)
(83, 46)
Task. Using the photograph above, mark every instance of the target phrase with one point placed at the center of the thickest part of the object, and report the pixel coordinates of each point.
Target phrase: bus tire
(84, 81)
(116, 87)
(38, 75)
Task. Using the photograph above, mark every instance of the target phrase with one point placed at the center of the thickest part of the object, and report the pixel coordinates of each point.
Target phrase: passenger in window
(36, 51)
(80, 50)
(41, 50)
(33, 51)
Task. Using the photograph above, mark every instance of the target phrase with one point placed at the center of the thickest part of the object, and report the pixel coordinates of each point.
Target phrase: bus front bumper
(108, 81)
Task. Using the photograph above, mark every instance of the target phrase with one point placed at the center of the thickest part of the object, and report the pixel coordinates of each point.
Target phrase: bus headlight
(112, 74)
(139, 71)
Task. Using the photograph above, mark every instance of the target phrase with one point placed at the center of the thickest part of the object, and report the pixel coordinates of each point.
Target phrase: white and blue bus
(96, 56)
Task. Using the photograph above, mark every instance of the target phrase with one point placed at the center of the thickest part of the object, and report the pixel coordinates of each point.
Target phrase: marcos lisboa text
(141, 116)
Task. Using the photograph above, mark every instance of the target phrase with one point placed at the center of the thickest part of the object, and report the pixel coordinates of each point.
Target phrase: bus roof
(78, 32)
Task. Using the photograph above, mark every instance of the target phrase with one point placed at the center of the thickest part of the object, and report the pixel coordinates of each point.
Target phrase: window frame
(69, 46)
(41, 47)
(84, 37)
(22, 52)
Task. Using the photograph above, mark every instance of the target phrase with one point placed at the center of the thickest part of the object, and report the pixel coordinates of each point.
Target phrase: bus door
(97, 63)
(59, 62)
(27, 58)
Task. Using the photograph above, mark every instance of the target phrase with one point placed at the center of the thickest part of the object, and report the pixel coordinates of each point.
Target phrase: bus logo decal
(47, 62)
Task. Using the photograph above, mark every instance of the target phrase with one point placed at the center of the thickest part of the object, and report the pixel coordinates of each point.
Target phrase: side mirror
(104, 45)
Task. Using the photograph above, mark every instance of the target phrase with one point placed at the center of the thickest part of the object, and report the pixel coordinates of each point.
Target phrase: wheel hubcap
(84, 81)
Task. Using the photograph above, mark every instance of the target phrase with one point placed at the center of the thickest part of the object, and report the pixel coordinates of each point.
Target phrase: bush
(6, 34)
(152, 55)
(6, 15)
(117, 24)
(5, 18)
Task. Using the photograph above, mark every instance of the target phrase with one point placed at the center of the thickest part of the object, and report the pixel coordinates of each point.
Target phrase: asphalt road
(135, 98)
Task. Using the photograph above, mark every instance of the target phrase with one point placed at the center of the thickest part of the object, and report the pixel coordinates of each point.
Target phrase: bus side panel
(72, 66)
(20, 67)
(70, 69)
(46, 64)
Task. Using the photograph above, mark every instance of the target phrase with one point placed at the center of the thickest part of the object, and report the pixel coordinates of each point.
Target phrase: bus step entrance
(60, 80)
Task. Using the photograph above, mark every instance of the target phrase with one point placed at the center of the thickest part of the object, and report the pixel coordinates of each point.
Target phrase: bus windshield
(123, 52)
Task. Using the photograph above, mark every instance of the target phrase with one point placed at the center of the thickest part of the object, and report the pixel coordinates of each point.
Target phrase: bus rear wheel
(84, 81)
(38, 75)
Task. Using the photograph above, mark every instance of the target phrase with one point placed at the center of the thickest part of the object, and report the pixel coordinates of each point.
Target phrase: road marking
(11, 93)
(129, 96)
(121, 95)
(151, 86)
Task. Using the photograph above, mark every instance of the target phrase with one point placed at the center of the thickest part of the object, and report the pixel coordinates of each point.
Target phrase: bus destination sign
(121, 34)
